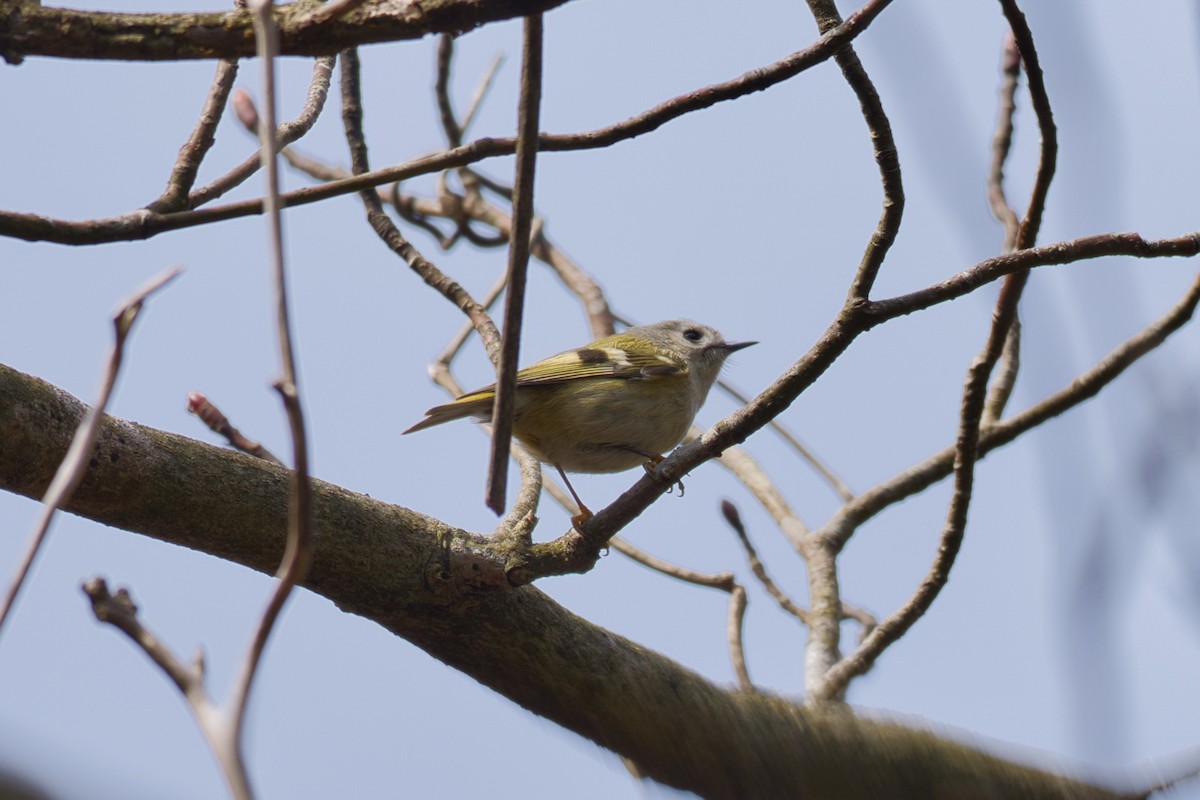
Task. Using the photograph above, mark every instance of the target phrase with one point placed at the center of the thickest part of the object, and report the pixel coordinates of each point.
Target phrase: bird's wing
(598, 362)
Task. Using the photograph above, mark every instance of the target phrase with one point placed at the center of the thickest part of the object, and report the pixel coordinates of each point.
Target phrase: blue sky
(749, 216)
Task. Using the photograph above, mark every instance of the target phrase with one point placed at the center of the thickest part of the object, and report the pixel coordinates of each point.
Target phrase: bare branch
(734, 633)
(735, 622)
(767, 492)
(441, 91)
(1006, 376)
(481, 92)
(34, 30)
(884, 145)
(730, 512)
(835, 482)
(75, 463)
(1002, 144)
(191, 154)
(823, 648)
(120, 611)
(1069, 252)
(1006, 379)
(439, 370)
(864, 618)
(505, 402)
(573, 277)
(297, 556)
(218, 423)
(725, 581)
(386, 229)
(1048, 155)
(290, 131)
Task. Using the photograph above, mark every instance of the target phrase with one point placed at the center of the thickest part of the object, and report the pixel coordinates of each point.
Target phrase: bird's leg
(584, 512)
(652, 461)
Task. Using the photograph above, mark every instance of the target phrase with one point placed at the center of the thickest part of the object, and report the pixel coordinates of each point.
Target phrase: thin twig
(1006, 377)
(730, 512)
(738, 461)
(290, 131)
(1026, 234)
(865, 619)
(1048, 152)
(441, 365)
(75, 463)
(410, 211)
(311, 166)
(191, 154)
(1069, 252)
(297, 555)
(725, 581)
(218, 423)
(450, 205)
(387, 230)
(481, 92)
(884, 145)
(1002, 144)
(838, 485)
(504, 404)
(247, 115)
(734, 634)
(120, 611)
(519, 522)
(441, 90)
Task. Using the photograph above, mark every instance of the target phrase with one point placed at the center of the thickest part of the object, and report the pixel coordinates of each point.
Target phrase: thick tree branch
(28, 29)
(429, 583)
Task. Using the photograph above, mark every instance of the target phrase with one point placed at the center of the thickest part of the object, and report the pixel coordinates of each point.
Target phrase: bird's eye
(693, 335)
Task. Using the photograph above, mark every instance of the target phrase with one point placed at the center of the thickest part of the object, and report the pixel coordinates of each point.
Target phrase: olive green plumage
(611, 405)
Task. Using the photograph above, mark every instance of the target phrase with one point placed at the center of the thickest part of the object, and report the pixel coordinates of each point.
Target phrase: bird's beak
(731, 347)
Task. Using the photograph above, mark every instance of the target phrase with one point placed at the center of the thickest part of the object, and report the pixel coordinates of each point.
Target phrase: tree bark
(29, 29)
(435, 586)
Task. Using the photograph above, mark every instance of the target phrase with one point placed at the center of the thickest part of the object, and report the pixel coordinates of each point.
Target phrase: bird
(608, 406)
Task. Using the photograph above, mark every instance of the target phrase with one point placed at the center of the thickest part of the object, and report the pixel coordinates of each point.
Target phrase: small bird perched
(611, 405)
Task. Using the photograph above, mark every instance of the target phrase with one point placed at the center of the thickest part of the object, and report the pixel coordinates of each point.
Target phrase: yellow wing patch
(598, 362)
